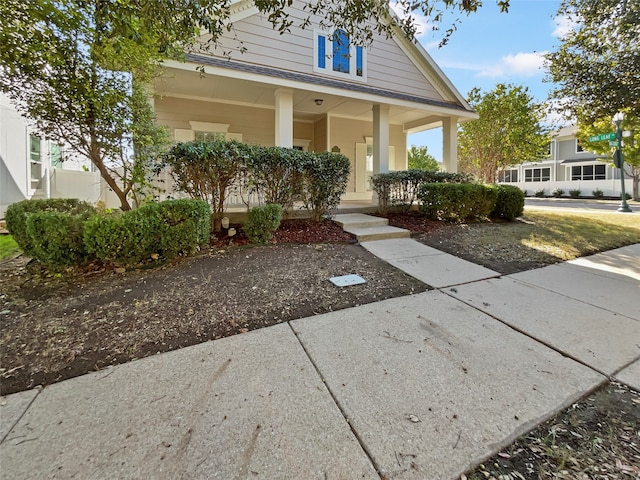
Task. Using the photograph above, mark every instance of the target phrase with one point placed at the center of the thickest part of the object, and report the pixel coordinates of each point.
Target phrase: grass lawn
(569, 235)
(8, 246)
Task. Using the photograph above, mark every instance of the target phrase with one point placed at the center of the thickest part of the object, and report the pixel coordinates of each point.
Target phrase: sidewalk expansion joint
(535, 339)
(542, 287)
(39, 389)
(337, 403)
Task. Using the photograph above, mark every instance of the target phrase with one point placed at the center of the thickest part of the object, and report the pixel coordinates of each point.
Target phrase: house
(569, 166)
(309, 89)
(32, 167)
(312, 89)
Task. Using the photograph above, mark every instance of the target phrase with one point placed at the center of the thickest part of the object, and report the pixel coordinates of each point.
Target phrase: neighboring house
(314, 90)
(31, 167)
(569, 166)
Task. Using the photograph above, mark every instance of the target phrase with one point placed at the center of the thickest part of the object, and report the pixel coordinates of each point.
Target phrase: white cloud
(563, 25)
(521, 65)
(518, 65)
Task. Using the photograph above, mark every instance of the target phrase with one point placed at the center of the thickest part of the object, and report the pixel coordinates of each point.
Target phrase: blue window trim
(336, 56)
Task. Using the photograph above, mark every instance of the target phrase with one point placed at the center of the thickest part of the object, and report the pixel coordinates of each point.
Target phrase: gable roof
(247, 20)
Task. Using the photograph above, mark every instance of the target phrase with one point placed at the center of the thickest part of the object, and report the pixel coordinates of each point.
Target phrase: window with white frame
(508, 176)
(579, 147)
(35, 161)
(334, 54)
(589, 172)
(537, 174)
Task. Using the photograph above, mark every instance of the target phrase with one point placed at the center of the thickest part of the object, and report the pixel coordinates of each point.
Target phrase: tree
(419, 159)
(597, 66)
(78, 69)
(508, 132)
(630, 148)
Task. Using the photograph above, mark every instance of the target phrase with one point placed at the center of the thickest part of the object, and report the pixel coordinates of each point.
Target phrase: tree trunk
(96, 159)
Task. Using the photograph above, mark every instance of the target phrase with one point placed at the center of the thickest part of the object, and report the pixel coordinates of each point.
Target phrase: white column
(380, 139)
(284, 118)
(450, 144)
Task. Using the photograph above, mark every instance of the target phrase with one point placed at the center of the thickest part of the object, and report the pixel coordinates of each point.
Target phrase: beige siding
(346, 133)
(257, 125)
(320, 135)
(265, 46)
(388, 67)
(304, 131)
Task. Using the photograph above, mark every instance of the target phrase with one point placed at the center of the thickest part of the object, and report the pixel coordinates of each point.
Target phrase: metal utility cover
(347, 280)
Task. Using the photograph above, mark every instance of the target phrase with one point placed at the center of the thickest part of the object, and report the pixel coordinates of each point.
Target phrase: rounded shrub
(17, 214)
(262, 223)
(509, 202)
(154, 231)
(451, 201)
(56, 238)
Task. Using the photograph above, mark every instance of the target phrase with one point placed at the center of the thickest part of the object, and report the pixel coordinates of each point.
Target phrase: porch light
(618, 160)
(318, 101)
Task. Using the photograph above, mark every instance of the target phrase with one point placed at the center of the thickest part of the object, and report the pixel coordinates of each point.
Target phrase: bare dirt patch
(597, 438)
(57, 326)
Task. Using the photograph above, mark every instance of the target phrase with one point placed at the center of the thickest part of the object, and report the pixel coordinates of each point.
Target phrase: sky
(490, 47)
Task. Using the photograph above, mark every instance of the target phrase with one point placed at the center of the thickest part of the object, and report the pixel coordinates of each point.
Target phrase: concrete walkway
(417, 387)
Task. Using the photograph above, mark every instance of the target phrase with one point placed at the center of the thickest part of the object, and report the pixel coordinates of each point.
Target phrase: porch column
(380, 139)
(284, 118)
(450, 144)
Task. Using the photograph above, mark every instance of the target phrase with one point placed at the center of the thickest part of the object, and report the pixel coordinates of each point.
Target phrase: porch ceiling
(215, 88)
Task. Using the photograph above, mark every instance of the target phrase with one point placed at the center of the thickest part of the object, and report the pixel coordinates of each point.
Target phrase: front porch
(254, 105)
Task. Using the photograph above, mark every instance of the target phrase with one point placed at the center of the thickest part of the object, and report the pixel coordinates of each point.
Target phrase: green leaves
(420, 159)
(597, 66)
(508, 131)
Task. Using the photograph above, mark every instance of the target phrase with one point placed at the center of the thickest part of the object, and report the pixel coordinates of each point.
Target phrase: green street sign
(603, 136)
(614, 143)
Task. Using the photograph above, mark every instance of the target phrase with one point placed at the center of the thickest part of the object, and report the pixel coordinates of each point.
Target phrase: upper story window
(579, 147)
(334, 54)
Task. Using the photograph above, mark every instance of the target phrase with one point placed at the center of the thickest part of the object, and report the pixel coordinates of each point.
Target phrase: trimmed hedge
(152, 232)
(208, 170)
(262, 223)
(400, 188)
(509, 202)
(325, 176)
(56, 238)
(275, 174)
(17, 214)
(450, 201)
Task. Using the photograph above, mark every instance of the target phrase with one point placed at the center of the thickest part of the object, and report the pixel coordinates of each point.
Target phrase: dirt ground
(55, 326)
(58, 326)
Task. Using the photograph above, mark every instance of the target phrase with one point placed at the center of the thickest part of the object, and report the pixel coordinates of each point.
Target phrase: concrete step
(382, 232)
(358, 220)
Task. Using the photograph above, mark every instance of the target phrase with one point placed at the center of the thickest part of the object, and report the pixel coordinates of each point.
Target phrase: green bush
(539, 193)
(274, 174)
(17, 213)
(450, 201)
(262, 223)
(597, 193)
(509, 202)
(325, 176)
(189, 224)
(154, 231)
(558, 192)
(206, 170)
(400, 188)
(575, 193)
(56, 238)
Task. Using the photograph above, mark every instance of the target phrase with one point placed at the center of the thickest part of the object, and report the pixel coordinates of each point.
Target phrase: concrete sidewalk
(418, 387)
